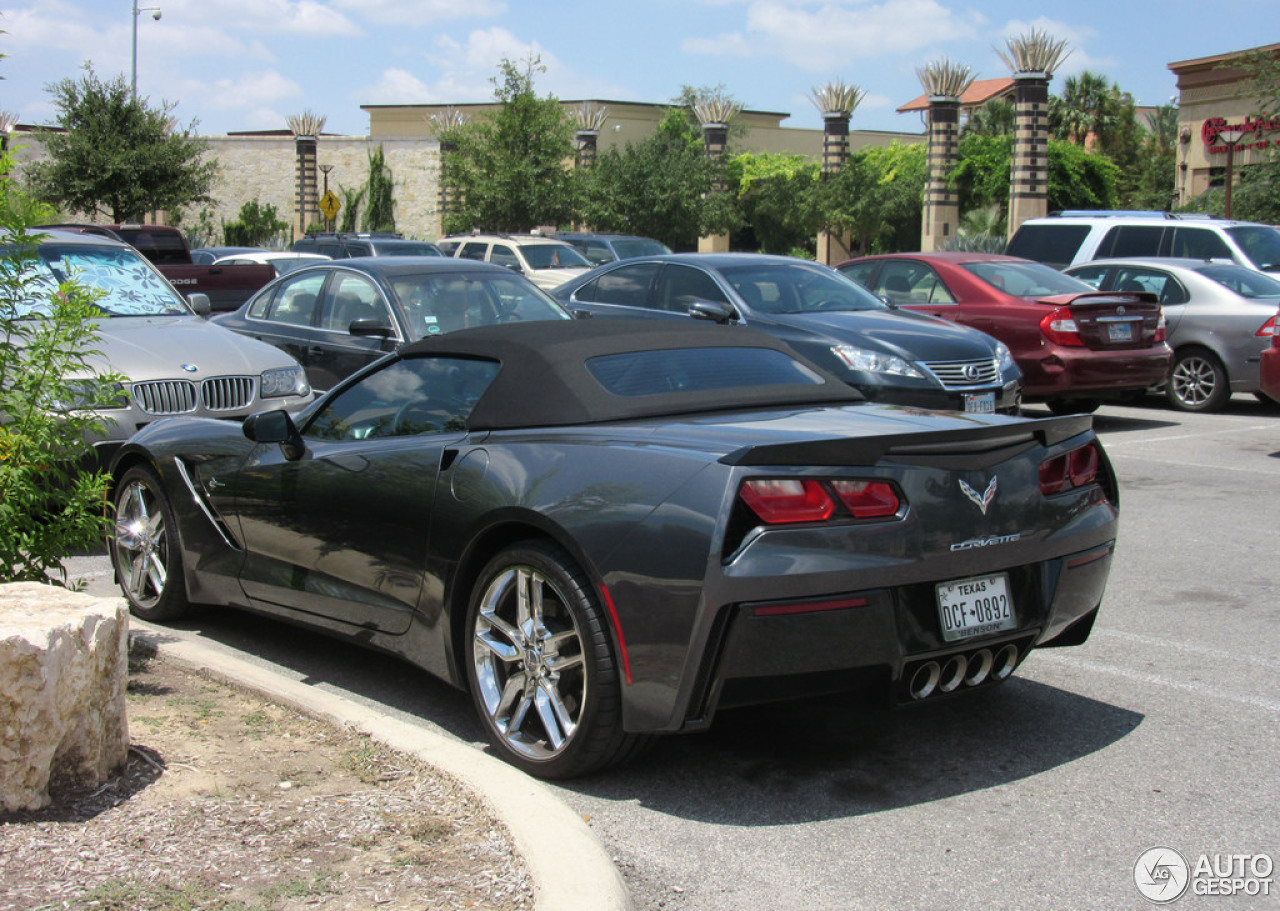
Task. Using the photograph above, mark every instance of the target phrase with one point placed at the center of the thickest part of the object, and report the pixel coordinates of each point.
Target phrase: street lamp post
(155, 14)
(1230, 137)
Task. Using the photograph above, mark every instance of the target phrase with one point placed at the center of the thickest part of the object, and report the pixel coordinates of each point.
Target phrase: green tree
(1156, 173)
(509, 168)
(995, 118)
(777, 193)
(118, 156)
(1255, 192)
(878, 198)
(1077, 179)
(352, 198)
(255, 226)
(50, 506)
(380, 214)
(658, 187)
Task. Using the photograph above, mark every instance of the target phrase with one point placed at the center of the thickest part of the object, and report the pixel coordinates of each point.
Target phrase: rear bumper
(888, 642)
(1059, 372)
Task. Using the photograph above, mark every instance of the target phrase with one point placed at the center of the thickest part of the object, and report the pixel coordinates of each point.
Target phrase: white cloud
(297, 17)
(245, 91)
(421, 12)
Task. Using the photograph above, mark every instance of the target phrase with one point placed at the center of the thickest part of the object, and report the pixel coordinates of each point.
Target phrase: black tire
(1197, 381)
(145, 551)
(545, 684)
(1073, 406)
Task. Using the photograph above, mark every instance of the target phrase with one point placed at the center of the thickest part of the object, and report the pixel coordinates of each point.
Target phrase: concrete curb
(570, 868)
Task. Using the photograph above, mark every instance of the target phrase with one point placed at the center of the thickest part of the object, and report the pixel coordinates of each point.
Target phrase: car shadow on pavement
(765, 765)
(803, 762)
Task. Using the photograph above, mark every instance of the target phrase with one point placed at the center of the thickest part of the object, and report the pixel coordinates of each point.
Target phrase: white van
(1074, 237)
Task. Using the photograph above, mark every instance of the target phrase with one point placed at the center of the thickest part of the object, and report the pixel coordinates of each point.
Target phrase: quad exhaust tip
(949, 674)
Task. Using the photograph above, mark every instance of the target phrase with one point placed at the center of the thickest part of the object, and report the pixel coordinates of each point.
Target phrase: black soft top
(545, 382)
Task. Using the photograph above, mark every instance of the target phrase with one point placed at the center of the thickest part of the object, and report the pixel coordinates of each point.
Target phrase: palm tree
(995, 118)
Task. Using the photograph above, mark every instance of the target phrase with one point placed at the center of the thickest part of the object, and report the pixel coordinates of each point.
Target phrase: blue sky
(248, 64)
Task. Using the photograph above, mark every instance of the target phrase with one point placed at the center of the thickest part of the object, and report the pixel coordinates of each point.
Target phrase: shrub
(51, 503)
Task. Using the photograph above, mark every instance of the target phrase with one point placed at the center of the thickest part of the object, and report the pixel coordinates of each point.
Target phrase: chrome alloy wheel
(141, 544)
(529, 664)
(1197, 382)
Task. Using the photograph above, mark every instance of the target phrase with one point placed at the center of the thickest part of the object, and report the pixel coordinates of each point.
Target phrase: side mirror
(716, 311)
(200, 303)
(275, 427)
(370, 326)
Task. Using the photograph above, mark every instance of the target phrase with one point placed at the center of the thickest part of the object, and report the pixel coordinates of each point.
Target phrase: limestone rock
(63, 674)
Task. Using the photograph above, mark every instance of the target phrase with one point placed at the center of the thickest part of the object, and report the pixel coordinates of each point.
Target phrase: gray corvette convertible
(610, 529)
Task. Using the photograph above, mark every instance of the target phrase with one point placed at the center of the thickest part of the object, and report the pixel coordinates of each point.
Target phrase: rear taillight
(1268, 330)
(1077, 468)
(1162, 330)
(867, 499)
(1060, 328)
(779, 501)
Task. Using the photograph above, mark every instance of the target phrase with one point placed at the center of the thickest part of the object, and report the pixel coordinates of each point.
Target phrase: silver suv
(1071, 238)
(173, 361)
(545, 261)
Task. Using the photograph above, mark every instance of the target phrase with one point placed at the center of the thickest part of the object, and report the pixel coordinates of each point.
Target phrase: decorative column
(715, 139)
(1029, 184)
(836, 101)
(1032, 57)
(941, 202)
(306, 129)
(446, 124)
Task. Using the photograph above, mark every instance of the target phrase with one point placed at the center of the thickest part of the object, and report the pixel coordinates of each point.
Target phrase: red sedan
(1074, 345)
(1269, 369)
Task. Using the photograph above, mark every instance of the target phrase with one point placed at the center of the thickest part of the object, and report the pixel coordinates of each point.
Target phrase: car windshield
(626, 248)
(407, 248)
(436, 302)
(1242, 281)
(122, 282)
(1261, 243)
(1026, 279)
(798, 288)
(552, 256)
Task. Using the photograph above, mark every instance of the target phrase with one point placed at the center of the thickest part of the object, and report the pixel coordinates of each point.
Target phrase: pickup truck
(227, 286)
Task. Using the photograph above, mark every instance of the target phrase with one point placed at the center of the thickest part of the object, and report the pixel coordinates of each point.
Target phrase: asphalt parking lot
(1160, 732)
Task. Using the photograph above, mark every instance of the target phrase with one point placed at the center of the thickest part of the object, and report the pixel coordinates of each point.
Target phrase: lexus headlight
(1004, 356)
(285, 381)
(90, 396)
(874, 362)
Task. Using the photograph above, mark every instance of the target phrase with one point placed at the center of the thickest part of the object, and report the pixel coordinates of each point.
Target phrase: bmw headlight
(90, 396)
(285, 381)
(874, 362)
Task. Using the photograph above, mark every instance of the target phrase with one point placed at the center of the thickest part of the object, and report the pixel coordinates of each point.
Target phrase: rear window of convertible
(662, 372)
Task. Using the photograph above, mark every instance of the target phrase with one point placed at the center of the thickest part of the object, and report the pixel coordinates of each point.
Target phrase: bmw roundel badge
(190, 368)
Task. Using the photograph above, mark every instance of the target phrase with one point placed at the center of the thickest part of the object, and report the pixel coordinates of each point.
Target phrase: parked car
(543, 260)
(610, 529)
(599, 249)
(337, 317)
(174, 361)
(888, 355)
(1221, 317)
(346, 245)
(226, 287)
(1070, 238)
(281, 260)
(1269, 370)
(1076, 346)
(207, 256)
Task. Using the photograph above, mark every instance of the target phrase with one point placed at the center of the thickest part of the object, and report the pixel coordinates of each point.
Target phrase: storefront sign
(1252, 126)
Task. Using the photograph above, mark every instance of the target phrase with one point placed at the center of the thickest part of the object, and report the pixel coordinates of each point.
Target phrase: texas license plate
(980, 403)
(975, 607)
(1119, 332)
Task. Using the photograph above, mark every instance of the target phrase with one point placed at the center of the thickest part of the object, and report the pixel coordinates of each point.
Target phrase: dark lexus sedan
(889, 355)
(339, 316)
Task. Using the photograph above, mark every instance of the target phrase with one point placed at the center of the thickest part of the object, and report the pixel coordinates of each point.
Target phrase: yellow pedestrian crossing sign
(329, 205)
